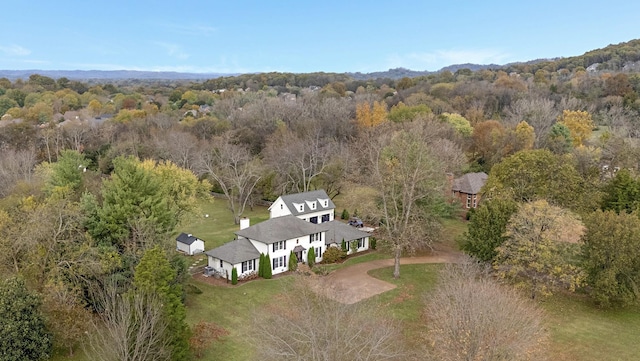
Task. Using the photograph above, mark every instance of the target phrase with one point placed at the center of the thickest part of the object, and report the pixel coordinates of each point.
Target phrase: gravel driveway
(352, 284)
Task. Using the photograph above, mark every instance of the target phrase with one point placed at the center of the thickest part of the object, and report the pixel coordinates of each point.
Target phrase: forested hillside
(95, 178)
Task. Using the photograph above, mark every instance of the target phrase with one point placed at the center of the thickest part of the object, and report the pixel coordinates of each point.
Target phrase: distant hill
(109, 74)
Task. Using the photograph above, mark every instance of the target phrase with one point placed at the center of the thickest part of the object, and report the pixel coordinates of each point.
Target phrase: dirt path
(352, 284)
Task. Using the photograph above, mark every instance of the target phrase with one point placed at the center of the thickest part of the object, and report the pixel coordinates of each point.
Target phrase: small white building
(189, 244)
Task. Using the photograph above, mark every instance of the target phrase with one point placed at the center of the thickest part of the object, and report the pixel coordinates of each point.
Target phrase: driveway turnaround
(353, 284)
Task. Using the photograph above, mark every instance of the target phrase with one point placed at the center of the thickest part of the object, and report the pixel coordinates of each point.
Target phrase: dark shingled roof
(312, 196)
(470, 183)
(339, 231)
(280, 229)
(235, 252)
(186, 238)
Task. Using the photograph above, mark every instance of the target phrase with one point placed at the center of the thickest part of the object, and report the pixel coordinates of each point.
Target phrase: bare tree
(234, 169)
(540, 113)
(15, 166)
(298, 159)
(303, 325)
(471, 317)
(130, 328)
(408, 178)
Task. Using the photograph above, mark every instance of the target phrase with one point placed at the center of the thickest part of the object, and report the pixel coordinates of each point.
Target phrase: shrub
(372, 242)
(353, 246)
(248, 276)
(343, 245)
(293, 262)
(333, 255)
(234, 276)
(345, 214)
(267, 273)
(311, 257)
(261, 266)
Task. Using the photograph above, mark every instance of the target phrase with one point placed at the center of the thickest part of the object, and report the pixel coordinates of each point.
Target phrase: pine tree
(261, 266)
(267, 267)
(311, 257)
(293, 262)
(234, 276)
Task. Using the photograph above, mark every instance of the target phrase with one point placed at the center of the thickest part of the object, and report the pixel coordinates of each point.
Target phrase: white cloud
(440, 58)
(15, 50)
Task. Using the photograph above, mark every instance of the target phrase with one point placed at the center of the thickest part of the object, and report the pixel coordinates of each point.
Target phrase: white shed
(189, 244)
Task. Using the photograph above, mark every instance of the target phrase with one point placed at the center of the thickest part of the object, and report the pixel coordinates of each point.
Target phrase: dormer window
(324, 202)
(311, 204)
(301, 208)
(281, 206)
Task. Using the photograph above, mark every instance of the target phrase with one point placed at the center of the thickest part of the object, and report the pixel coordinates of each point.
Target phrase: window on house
(247, 266)
(281, 206)
(279, 245)
(468, 200)
(301, 208)
(279, 262)
(313, 220)
(326, 203)
(475, 201)
(221, 264)
(318, 252)
(325, 218)
(361, 243)
(312, 205)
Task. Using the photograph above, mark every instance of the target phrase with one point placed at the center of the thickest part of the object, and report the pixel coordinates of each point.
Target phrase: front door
(299, 256)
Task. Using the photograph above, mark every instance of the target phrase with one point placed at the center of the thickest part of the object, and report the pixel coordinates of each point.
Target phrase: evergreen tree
(311, 257)
(486, 228)
(261, 266)
(343, 245)
(293, 262)
(23, 335)
(267, 267)
(234, 276)
(154, 275)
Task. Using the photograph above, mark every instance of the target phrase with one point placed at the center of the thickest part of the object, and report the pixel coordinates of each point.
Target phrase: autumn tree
(303, 325)
(539, 248)
(408, 179)
(579, 123)
(234, 170)
(540, 113)
(472, 317)
(371, 115)
(67, 318)
(458, 122)
(538, 174)
(612, 257)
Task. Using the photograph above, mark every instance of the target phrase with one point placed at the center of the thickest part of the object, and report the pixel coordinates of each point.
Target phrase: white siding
(193, 248)
(182, 247)
(363, 246)
(290, 244)
(224, 270)
(278, 209)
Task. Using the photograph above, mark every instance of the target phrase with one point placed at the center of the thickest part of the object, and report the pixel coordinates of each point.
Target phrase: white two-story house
(298, 222)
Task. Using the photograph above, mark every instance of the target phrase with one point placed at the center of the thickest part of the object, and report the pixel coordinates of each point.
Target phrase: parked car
(356, 222)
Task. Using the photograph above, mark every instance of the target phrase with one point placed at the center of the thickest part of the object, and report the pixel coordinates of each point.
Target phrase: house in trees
(298, 223)
(189, 244)
(466, 189)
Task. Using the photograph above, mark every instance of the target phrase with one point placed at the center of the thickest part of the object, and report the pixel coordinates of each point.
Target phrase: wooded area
(96, 178)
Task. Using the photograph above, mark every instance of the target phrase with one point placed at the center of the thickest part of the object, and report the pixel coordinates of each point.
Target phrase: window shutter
(285, 261)
(274, 263)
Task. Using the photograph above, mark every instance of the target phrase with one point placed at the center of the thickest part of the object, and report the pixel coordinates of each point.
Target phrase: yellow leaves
(525, 135)
(371, 115)
(579, 123)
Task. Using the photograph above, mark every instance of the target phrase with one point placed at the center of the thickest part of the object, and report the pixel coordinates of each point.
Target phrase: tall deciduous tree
(611, 254)
(538, 174)
(408, 179)
(234, 169)
(23, 334)
(579, 123)
(539, 248)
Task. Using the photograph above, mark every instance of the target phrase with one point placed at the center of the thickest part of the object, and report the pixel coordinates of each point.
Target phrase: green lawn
(218, 228)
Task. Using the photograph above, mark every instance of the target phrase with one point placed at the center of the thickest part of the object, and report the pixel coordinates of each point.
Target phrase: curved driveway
(352, 284)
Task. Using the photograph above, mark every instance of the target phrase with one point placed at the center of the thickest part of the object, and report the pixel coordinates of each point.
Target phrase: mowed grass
(219, 227)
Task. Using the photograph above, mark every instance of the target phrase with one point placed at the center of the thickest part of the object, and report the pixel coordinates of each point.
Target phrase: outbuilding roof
(186, 238)
(234, 252)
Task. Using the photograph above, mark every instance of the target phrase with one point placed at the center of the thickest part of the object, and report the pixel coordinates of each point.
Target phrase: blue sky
(303, 36)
